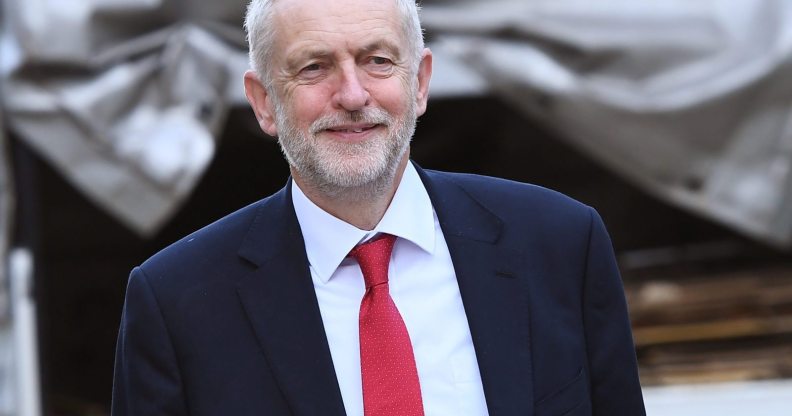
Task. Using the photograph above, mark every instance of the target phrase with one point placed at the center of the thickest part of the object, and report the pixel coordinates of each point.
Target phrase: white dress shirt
(422, 284)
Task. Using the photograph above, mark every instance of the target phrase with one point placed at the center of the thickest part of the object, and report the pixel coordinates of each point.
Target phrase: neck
(362, 206)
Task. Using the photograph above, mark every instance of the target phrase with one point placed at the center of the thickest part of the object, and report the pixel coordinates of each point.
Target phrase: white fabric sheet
(690, 100)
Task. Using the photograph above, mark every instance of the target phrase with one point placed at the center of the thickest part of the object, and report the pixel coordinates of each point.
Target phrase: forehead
(299, 23)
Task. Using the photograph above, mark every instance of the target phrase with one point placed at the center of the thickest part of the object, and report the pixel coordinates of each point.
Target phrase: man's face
(344, 98)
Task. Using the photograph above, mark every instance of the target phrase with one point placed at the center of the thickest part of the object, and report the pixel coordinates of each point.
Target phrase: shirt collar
(328, 239)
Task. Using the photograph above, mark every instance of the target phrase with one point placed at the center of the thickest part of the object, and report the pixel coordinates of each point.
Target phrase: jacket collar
(280, 302)
(493, 285)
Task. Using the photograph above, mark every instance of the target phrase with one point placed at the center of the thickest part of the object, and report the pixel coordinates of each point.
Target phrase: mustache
(366, 116)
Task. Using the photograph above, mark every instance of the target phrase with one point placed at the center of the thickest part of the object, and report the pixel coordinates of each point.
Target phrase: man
(493, 297)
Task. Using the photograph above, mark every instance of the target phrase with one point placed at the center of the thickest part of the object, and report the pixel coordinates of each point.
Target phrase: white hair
(261, 34)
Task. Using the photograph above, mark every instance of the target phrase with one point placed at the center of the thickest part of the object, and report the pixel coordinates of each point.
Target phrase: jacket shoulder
(527, 215)
(210, 247)
(498, 194)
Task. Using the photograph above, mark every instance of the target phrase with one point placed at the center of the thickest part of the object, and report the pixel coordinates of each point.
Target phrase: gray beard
(353, 172)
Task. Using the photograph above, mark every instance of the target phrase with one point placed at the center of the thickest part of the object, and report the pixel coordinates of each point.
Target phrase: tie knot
(374, 257)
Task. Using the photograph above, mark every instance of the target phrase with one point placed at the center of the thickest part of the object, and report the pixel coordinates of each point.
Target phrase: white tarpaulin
(124, 97)
(688, 99)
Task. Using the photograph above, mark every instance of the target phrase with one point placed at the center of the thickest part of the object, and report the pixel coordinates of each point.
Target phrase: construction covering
(690, 100)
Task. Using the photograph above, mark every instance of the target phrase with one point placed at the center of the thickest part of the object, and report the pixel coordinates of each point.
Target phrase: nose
(351, 94)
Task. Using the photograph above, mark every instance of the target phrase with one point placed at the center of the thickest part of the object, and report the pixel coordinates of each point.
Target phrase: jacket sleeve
(147, 381)
(613, 371)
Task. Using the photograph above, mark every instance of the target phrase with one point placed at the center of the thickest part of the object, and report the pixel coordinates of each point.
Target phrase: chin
(351, 176)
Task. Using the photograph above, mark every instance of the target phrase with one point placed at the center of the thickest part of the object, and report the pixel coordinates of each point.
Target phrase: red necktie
(387, 364)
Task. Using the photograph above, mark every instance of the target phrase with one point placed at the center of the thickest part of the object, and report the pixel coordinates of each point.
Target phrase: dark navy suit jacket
(226, 321)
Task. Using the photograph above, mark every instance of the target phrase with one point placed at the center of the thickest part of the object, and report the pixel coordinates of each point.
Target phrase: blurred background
(123, 127)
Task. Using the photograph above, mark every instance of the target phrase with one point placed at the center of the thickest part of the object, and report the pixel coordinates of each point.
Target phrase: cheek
(393, 97)
(308, 105)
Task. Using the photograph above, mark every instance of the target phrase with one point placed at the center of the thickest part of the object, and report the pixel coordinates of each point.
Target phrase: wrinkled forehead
(292, 6)
(327, 18)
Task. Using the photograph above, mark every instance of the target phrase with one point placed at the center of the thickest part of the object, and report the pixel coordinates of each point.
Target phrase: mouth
(352, 133)
(357, 128)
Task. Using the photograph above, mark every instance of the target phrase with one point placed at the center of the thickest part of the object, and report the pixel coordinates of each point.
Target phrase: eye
(312, 71)
(379, 64)
(311, 67)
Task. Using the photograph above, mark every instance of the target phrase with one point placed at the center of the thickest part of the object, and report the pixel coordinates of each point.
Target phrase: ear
(260, 100)
(424, 75)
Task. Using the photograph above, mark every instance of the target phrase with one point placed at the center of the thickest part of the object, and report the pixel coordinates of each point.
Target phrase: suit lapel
(280, 302)
(494, 297)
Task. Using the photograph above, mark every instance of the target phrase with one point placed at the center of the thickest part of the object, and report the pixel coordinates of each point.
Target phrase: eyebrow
(297, 59)
(383, 45)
